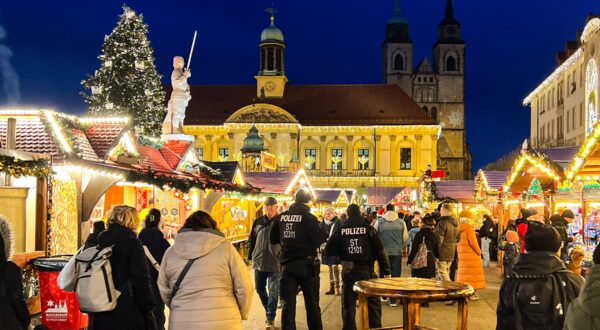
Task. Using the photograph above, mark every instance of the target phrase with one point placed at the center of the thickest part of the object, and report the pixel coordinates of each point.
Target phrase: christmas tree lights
(127, 83)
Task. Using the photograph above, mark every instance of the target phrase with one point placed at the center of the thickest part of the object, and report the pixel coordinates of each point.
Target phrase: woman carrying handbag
(425, 251)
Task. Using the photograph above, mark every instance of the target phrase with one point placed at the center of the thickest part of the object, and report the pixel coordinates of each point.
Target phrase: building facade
(438, 87)
(563, 107)
(344, 136)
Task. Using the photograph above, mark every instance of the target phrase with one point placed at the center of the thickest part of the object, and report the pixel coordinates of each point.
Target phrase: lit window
(405, 158)
(363, 159)
(310, 159)
(223, 154)
(336, 159)
(200, 153)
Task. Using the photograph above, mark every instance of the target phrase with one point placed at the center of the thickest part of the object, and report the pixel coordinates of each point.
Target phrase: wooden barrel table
(411, 292)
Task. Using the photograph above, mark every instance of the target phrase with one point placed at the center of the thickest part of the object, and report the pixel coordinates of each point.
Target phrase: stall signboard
(268, 161)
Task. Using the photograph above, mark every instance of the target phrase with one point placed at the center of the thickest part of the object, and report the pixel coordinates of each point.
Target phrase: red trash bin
(60, 309)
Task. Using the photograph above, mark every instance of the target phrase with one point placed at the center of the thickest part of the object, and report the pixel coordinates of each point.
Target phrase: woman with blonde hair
(203, 279)
(129, 272)
(470, 265)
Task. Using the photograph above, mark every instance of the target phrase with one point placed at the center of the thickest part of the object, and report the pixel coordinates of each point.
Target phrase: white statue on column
(180, 97)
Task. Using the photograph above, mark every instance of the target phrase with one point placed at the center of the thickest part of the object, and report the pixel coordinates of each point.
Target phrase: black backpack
(539, 301)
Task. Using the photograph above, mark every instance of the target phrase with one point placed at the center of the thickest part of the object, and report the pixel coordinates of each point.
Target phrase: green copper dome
(253, 143)
(271, 33)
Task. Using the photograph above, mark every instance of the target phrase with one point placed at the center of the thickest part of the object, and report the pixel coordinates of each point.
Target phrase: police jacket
(298, 232)
(357, 241)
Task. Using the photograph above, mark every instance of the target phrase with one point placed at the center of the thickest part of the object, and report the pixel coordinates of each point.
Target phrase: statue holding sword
(180, 96)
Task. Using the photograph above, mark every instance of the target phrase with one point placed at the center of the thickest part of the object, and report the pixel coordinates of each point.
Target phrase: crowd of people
(204, 281)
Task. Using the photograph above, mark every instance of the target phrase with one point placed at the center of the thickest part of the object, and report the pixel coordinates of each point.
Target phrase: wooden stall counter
(411, 292)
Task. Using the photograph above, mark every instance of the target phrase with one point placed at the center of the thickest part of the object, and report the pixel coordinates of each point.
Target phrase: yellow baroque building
(344, 136)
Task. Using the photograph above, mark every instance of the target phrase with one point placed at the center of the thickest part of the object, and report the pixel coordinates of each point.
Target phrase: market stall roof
(586, 164)
(533, 163)
(333, 195)
(108, 144)
(562, 156)
(327, 195)
(61, 135)
(382, 195)
(494, 179)
(460, 190)
(278, 182)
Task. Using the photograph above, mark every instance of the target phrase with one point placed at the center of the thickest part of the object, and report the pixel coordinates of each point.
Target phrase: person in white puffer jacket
(216, 292)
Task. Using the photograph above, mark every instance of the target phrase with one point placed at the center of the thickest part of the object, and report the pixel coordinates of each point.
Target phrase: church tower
(271, 79)
(397, 52)
(449, 66)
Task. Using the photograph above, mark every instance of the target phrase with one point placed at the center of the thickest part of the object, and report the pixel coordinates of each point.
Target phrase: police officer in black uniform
(298, 232)
(358, 246)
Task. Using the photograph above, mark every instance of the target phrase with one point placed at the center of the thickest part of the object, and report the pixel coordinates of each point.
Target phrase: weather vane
(271, 10)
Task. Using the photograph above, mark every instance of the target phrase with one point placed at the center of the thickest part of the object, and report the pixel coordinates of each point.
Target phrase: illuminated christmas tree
(127, 83)
(535, 189)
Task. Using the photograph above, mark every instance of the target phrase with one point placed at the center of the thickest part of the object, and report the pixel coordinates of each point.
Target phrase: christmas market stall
(97, 162)
(488, 188)
(381, 196)
(461, 192)
(233, 211)
(281, 185)
(336, 198)
(533, 181)
(583, 180)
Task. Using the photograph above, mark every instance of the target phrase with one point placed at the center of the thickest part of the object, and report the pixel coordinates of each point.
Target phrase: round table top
(413, 288)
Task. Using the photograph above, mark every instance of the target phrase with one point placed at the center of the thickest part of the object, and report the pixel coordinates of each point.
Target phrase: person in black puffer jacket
(92, 239)
(538, 294)
(428, 236)
(15, 315)
(154, 240)
(129, 272)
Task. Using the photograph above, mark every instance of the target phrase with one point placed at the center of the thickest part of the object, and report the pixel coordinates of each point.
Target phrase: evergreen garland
(127, 82)
(18, 168)
(184, 185)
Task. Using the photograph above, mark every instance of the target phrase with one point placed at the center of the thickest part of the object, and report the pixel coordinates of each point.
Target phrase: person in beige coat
(216, 292)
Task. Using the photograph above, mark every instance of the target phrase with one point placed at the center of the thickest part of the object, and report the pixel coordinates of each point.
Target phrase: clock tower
(271, 79)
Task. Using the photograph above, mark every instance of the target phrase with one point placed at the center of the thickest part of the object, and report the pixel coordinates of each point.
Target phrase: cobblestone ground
(482, 313)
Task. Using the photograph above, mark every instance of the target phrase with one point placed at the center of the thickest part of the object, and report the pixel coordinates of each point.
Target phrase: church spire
(448, 30)
(449, 10)
(397, 26)
(397, 12)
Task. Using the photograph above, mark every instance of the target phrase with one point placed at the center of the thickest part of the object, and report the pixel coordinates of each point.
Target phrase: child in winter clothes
(510, 246)
(575, 258)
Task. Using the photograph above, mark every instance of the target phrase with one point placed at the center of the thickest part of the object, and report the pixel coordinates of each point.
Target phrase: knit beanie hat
(512, 236)
(541, 237)
(568, 214)
(525, 213)
(303, 196)
(596, 256)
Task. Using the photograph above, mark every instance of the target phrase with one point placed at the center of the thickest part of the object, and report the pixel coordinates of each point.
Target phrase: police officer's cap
(303, 196)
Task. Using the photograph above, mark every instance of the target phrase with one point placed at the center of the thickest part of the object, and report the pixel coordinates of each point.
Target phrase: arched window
(451, 63)
(433, 113)
(398, 62)
(426, 110)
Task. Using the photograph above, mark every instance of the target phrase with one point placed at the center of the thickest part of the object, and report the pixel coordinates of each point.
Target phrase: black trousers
(349, 276)
(303, 273)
